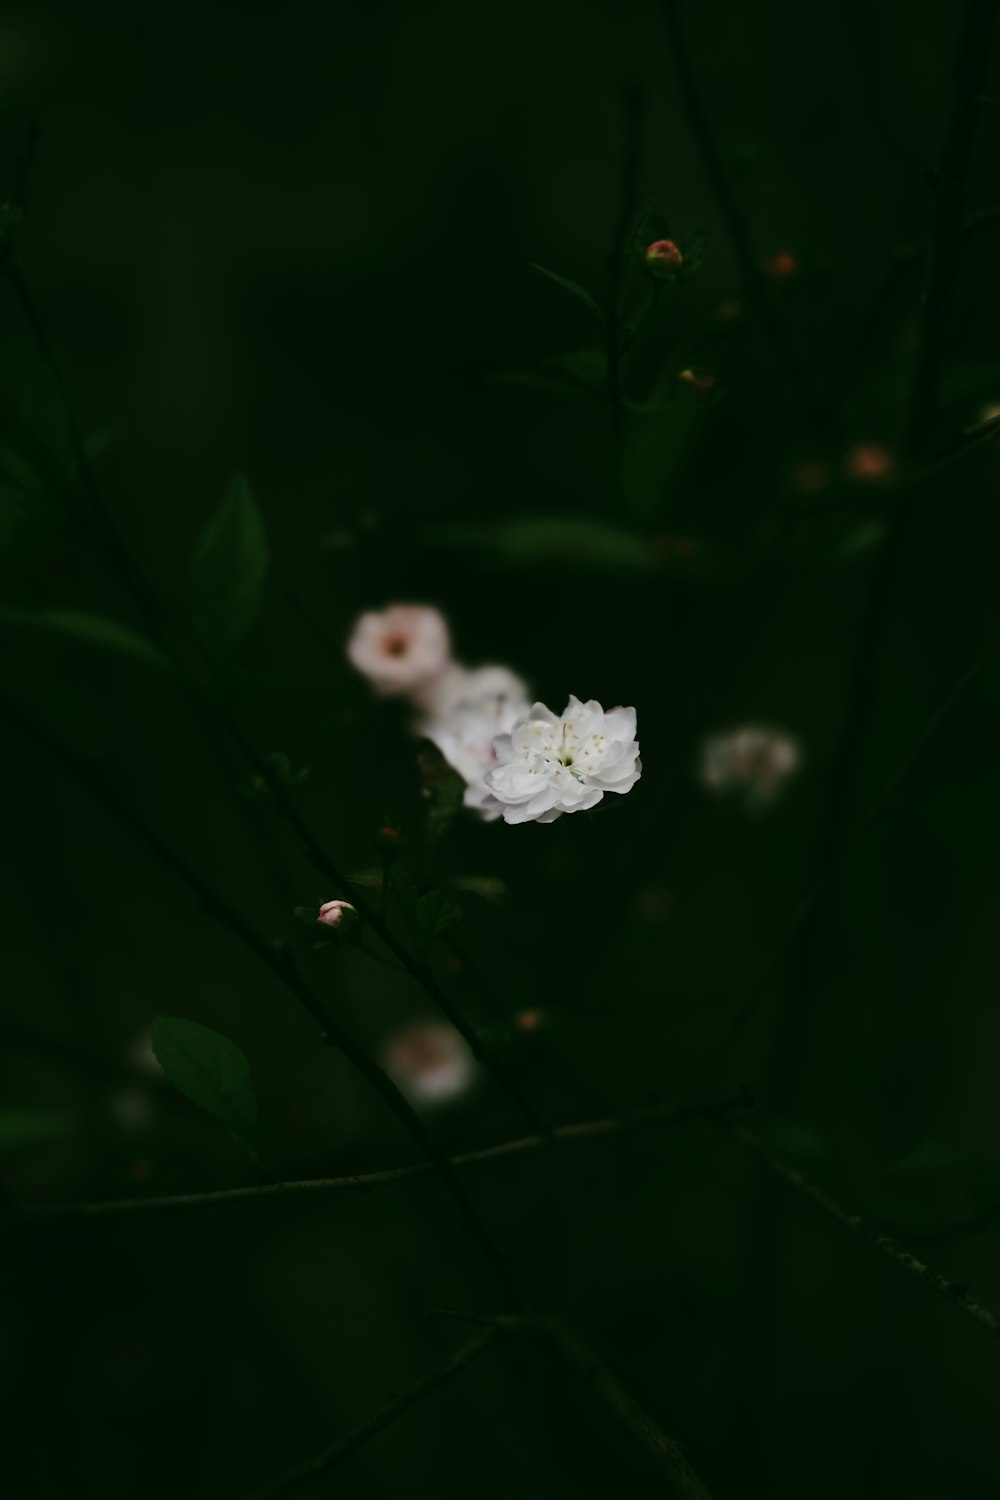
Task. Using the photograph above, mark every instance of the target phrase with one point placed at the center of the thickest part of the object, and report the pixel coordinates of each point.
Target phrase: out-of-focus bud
(429, 1063)
(781, 266)
(663, 259)
(698, 380)
(729, 311)
(331, 913)
(529, 1020)
(870, 463)
(810, 477)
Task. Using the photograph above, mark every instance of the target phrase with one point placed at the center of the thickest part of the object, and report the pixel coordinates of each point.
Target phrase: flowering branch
(523, 1145)
(948, 220)
(955, 1291)
(280, 963)
(322, 1462)
(730, 208)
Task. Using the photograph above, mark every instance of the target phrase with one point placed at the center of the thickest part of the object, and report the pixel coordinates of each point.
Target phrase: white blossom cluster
(520, 761)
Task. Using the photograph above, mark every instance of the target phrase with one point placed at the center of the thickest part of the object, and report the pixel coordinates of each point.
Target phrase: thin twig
(324, 1461)
(665, 1451)
(948, 219)
(955, 1292)
(621, 249)
(732, 211)
(281, 963)
(524, 1145)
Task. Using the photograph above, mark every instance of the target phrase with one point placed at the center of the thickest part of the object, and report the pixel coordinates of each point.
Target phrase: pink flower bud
(331, 913)
(663, 259)
(529, 1020)
(781, 267)
(870, 463)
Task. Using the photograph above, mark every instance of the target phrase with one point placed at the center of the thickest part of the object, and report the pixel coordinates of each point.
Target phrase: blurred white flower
(400, 648)
(429, 1063)
(471, 709)
(753, 762)
(458, 685)
(551, 765)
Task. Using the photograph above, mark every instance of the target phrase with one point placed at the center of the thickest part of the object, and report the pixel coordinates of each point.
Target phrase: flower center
(394, 645)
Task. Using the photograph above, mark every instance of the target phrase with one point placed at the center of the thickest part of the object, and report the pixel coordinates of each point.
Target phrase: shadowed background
(296, 243)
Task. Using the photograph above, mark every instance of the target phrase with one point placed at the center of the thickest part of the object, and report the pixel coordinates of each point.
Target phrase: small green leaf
(438, 912)
(487, 887)
(567, 541)
(21, 1129)
(92, 630)
(229, 569)
(209, 1069)
(306, 913)
(573, 287)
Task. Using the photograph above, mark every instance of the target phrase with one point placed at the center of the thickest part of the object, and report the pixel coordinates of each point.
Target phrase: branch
(281, 963)
(667, 1454)
(948, 219)
(523, 1145)
(733, 214)
(955, 1291)
(322, 1462)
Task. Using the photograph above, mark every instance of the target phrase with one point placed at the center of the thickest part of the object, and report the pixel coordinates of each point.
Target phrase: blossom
(549, 765)
(401, 648)
(781, 266)
(870, 462)
(458, 685)
(473, 708)
(429, 1062)
(753, 762)
(331, 913)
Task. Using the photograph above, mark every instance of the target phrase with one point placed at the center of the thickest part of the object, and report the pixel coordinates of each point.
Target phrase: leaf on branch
(228, 572)
(437, 913)
(561, 540)
(573, 287)
(210, 1070)
(91, 630)
(488, 887)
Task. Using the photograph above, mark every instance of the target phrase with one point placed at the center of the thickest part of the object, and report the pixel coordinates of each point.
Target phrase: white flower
(551, 765)
(429, 1062)
(753, 762)
(471, 709)
(458, 685)
(400, 648)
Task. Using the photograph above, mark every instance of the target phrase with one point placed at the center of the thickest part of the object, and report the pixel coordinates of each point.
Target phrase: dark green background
(295, 241)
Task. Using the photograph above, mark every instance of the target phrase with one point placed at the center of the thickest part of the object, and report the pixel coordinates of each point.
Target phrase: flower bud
(781, 267)
(870, 463)
(331, 913)
(529, 1020)
(663, 259)
(698, 380)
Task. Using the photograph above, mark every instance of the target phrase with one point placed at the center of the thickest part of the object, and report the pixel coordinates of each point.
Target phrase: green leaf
(21, 1129)
(229, 569)
(208, 1069)
(487, 887)
(92, 630)
(437, 913)
(561, 540)
(573, 287)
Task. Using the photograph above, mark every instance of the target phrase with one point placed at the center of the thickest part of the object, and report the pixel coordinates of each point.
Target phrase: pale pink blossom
(331, 913)
(429, 1062)
(401, 648)
(753, 763)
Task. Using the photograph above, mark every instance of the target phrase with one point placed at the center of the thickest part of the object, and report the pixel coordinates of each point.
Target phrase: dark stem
(632, 119)
(948, 218)
(583, 1130)
(324, 1461)
(954, 1291)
